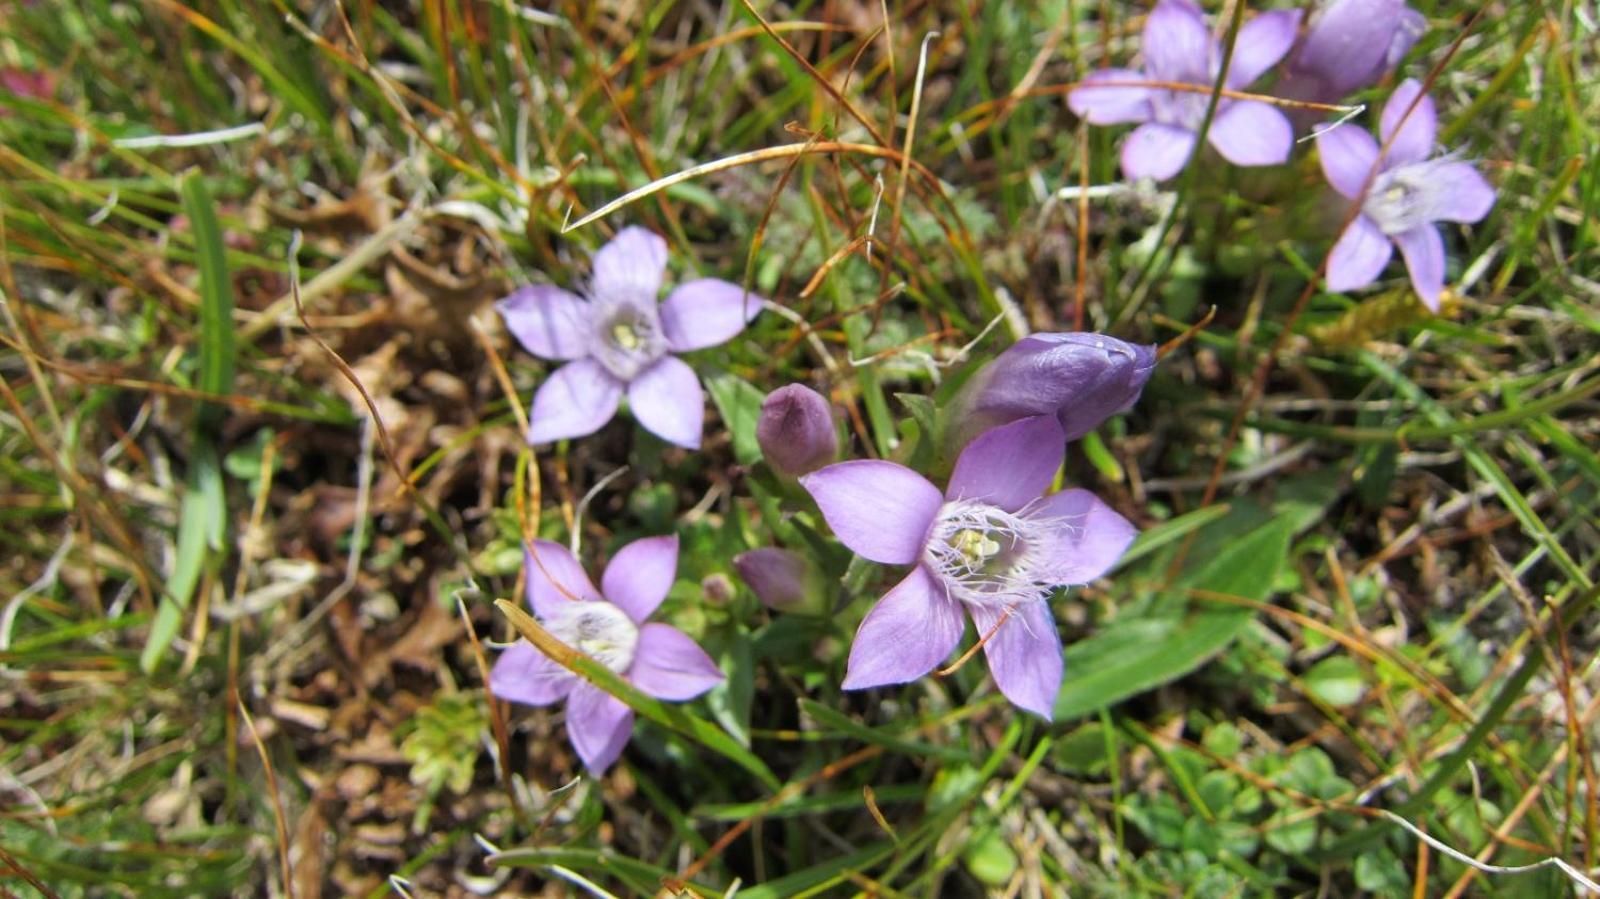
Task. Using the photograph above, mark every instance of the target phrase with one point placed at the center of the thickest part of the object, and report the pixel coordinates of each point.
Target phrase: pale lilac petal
(598, 724)
(705, 312)
(548, 321)
(555, 578)
(1089, 536)
(1012, 465)
(1177, 45)
(1423, 249)
(640, 574)
(1262, 41)
(524, 674)
(666, 399)
(1457, 193)
(576, 400)
(630, 266)
(1359, 256)
(1410, 137)
(1409, 28)
(1024, 654)
(668, 665)
(1348, 154)
(1156, 151)
(1248, 132)
(880, 510)
(906, 635)
(1111, 105)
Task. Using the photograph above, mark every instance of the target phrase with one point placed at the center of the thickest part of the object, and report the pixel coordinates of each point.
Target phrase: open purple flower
(1080, 377)
(609, 626)
(1179, 48)
(620, 339)
(1349, 45)
(1410, 189)
(990, 544)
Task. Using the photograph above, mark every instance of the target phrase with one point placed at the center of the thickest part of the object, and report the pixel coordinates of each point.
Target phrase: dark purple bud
(1080, 377)
(1349, 45)
(782, 580)
(796, 430)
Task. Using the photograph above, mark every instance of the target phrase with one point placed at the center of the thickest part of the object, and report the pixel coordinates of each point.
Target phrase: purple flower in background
(992, 543)
(1080, 377)
(1349, 45)
(796, 430)
(620, 338)
(784, 581)
(609, 626)
(1179, 48)
(1410, 190)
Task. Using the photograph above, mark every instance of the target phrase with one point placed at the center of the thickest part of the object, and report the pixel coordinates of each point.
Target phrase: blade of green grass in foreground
(202, 522)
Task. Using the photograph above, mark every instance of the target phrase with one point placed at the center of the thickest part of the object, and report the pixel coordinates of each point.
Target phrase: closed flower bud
(1080, 377)
(796, 430)
(782, 580)
(1349, 45)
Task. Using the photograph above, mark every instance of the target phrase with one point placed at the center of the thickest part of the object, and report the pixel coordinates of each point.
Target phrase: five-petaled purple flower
(991, 544)
(620, 339)
(1349, 44)
(609, 626)
(1179, 48)
(1410, 189)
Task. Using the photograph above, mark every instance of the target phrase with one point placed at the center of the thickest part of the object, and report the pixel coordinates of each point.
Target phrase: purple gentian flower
(1410, 190)
(990, 544)
(1080, 377)
(1349, 45)
(609, 626)
(620, 339)
(1179, 48)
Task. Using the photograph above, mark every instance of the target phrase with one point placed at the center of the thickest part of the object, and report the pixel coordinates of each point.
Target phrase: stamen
(599, 630)
(983, 554)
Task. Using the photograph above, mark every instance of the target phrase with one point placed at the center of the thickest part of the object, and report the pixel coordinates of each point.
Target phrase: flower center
(1404, 197)
(599, 630)
(983, 554)
(629, 339)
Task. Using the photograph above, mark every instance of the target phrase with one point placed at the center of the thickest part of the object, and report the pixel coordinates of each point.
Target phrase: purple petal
(1423, 249)
(1359, 256)
(1156, 151)
(598, 724)
(555, 578)
(640, 574)
(796, 432)
(880, 510)
(630, 266)
(1111, 105)
(668, 665)
(1090, 536)
(1177, 45)
(1459, 193)
(1410, 137)
(705, 312)
(524, 674)
(1262, 41)
(1249, 132)
(1010, 466)
(909, 632)
(1348, 155)
(576, 400)
(1024, 654)
(1409, 27)
(547, 321)
(667, 400)
(1349, 45)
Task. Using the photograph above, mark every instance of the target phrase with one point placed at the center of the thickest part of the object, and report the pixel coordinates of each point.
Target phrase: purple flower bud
(782, 580)
(796, 430)
(1080, 377)
(1349, 45)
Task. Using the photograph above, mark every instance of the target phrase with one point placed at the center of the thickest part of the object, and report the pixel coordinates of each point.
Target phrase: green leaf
(1131, 657)
(730, 701)
(216, 292)
(1336, 680)
(739, 403)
